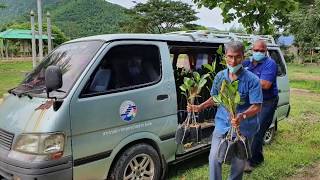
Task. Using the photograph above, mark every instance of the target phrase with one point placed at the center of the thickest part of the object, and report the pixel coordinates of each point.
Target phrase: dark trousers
(265, 120)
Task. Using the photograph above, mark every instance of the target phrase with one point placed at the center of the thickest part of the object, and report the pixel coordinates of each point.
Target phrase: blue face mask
(234, 69)
(258, 56)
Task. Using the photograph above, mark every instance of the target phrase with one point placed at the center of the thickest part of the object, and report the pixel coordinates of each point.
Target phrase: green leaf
(188, 82)
(208, 67)
(216, 99)
(183, 88)
(196, 76)
(202, 83)
(237, 98)
(219, 51)
(205, 76)
(223, 86)
(235, 84)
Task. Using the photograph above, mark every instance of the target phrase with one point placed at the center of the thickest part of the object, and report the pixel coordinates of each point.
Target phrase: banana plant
(191, 87)
(229, 97)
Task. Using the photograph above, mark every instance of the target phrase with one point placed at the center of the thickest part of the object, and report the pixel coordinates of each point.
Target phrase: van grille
(6, 139)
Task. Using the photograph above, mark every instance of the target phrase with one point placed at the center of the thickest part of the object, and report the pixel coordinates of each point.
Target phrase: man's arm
(202, 106)
(251, 111)
(268, 75)
(265, 84)
(207, 103)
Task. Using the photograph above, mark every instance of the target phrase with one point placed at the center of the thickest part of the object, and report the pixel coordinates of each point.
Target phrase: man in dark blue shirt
(266, 70)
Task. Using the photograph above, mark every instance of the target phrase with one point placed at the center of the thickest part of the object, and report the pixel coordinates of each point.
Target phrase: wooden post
(33, 41)
(40, 29)
(49, 32)
(1, 48)
(7, 54)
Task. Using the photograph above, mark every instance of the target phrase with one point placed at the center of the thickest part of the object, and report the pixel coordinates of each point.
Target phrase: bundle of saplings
(189, 130)
(234, 144)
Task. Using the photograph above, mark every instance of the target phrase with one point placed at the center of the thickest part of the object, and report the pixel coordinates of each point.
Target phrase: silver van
(108, 106)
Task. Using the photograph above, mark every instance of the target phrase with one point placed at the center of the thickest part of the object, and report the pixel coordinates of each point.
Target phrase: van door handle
(162, 97)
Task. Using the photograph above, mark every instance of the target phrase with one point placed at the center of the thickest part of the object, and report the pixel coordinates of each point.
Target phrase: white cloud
(207, 17)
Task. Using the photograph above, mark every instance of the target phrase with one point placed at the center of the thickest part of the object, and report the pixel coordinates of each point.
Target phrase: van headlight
(51, 144)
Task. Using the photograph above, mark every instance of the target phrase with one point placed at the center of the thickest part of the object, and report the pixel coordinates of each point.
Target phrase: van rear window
(275, 55)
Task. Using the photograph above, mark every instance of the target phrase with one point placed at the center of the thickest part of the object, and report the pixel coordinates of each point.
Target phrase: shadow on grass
(181, 168)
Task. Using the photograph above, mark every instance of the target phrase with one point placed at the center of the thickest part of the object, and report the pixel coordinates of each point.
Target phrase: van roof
(200, 36)
(156, 37)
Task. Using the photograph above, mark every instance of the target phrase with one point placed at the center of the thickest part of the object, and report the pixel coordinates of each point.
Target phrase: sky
(207, 17)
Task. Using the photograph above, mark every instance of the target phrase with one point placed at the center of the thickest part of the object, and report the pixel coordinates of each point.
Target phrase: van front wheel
(140, 161)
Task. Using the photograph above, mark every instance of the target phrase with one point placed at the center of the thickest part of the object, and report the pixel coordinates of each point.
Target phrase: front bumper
(46, 170)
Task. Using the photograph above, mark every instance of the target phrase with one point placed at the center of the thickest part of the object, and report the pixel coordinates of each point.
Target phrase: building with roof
(17, 42)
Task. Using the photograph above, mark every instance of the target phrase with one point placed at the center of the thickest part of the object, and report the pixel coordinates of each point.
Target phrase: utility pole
(40, 29)
(49, 32)
(33, 41)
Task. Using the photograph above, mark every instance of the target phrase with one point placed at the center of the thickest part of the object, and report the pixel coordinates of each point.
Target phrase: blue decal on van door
(128, 111)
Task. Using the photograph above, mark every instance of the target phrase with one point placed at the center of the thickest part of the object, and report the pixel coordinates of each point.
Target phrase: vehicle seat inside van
(101, 79)
(150, 71)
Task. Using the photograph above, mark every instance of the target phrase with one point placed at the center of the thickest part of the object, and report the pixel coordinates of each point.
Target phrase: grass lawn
(297, 143)
(12, 73)
(305, 77)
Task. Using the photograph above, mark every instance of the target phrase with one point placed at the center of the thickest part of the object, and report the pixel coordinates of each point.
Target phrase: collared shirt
(250, 92)
(266, 69)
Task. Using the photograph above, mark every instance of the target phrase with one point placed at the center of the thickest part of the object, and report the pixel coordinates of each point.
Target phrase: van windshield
(72, 59)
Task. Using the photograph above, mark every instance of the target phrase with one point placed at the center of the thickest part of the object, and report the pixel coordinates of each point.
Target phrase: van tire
(138, 152)
(269, 135)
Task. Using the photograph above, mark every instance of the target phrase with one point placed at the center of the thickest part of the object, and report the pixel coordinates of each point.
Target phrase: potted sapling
(234, 144)
(189, 130)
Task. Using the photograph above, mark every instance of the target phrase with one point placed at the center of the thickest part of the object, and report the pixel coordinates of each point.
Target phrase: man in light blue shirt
(251, 94)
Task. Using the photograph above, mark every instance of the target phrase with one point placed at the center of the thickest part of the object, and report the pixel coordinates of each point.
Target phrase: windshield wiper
(27, 85)
(10, 91)
(26, 93)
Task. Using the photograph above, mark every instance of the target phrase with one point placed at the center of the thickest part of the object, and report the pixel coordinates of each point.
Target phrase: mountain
(76, 18)
(16, 10)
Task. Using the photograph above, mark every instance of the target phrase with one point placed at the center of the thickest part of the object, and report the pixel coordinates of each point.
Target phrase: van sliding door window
(126, 67)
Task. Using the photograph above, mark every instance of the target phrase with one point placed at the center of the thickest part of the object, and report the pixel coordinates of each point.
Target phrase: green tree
(235, 29)
(306, 2)
(2, 6)
(255, 15)
(76, 18)
(193, 27)
(158, 16)
(304, 24)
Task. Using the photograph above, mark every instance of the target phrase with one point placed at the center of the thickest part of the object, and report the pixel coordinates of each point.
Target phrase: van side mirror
(53, 78)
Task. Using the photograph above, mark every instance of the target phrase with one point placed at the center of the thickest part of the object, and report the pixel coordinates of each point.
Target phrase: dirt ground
(308, 77)
(304, 92)
(307, 173)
